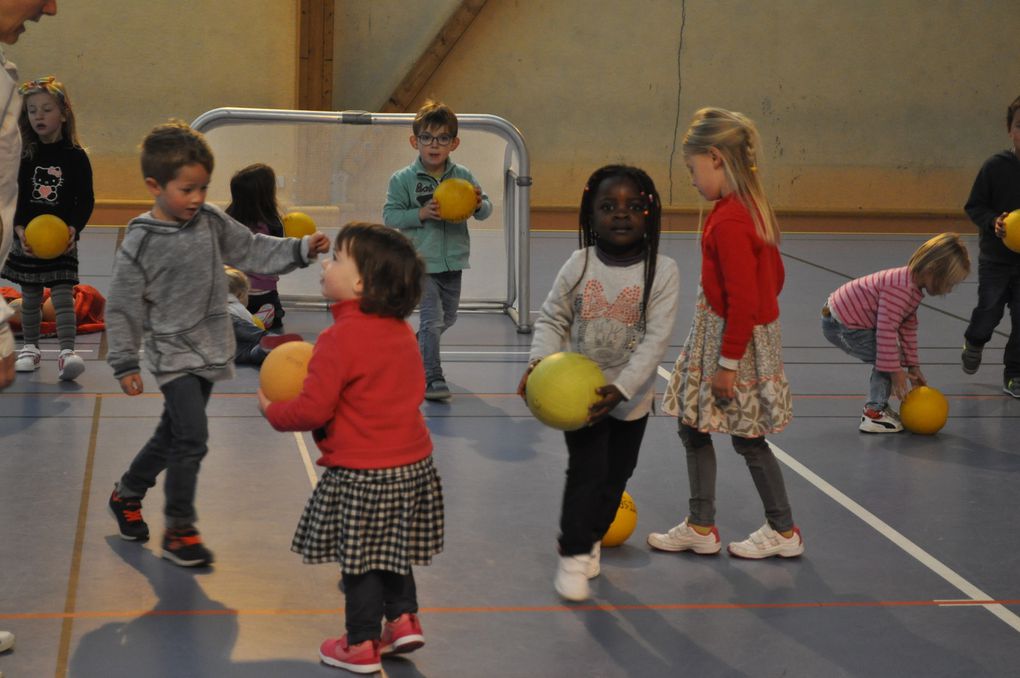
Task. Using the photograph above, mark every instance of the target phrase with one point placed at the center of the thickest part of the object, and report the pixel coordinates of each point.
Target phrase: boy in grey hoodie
(169, 292)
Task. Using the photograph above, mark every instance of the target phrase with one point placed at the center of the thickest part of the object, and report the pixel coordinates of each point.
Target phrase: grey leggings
(765, 471)
(63, 303)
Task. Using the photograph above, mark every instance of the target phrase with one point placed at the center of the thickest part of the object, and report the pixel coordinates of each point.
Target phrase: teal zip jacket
(443, 245)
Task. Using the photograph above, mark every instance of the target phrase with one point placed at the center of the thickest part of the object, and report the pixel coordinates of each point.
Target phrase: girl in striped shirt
(874, 319)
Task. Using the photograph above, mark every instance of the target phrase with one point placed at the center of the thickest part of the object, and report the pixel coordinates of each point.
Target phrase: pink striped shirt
(887, 302)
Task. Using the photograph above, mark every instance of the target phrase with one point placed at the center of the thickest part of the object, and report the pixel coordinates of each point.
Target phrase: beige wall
(131, 65)
(875, 105)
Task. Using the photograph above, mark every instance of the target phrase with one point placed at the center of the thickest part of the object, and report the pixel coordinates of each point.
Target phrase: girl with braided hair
(729, 376)
(614, 301)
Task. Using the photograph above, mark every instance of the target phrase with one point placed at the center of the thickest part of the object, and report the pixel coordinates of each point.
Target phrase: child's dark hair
(653, 217)
(1011, 112)
(68, 129)
(434, 114)
(253, 198)
(171, 146)
(391, 270)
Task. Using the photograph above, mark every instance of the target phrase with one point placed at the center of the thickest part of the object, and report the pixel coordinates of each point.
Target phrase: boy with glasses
(443, 245)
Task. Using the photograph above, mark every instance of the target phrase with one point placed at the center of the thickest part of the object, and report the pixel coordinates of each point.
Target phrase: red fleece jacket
(741, 274)
(362, 395)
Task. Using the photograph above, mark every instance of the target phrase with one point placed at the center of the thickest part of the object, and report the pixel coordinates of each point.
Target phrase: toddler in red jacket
(378, 508)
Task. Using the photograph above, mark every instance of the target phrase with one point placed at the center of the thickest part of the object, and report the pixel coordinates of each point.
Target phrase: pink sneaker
(360, 658)
(403, 634)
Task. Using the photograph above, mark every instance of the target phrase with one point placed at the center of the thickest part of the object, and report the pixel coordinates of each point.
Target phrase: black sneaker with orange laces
(128, 512)
(183, 546)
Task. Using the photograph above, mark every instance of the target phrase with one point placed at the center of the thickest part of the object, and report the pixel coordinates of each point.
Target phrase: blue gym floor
(910, 567)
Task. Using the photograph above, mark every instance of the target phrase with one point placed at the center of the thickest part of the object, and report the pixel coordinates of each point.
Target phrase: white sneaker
(594, 565)
(766, 542)
(6, 640)
(572, 578)
(683, 538)
(29, 358)
(886, 421)
(69, 365)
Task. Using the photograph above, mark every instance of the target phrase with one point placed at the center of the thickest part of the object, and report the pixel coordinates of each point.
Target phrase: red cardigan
(364, 387)
(741, 274)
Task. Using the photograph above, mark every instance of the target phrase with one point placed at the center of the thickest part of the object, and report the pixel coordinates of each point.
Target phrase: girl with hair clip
(729, 375)
(615, 301)
(55, 177)
(253, 203)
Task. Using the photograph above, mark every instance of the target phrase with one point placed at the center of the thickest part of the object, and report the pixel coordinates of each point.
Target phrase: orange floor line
(504, 609)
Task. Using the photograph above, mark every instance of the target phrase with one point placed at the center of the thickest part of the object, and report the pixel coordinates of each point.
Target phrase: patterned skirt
(22, 269)
(373, 519)
(763, 403)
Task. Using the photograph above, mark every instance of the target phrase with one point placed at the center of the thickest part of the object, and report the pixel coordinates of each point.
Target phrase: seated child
(253, 341)
(874, 319)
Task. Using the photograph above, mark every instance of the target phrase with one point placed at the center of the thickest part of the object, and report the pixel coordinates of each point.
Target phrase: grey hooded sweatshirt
(169, 290)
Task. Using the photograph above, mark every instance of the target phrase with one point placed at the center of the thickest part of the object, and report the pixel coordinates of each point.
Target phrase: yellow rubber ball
(284, 371)
(561, 388)
(924, 410)
(456, 198)
(298, 225)
(624, 523)
(1012, 239)
(47, 235)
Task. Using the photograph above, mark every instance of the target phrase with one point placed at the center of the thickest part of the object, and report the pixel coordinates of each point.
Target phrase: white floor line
(938, 567)
(941, 569)
(306, 458)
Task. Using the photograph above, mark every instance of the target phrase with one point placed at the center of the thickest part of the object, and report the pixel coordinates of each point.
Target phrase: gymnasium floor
(910, 567)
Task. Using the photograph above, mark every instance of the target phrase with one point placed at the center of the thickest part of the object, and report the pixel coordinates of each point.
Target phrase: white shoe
(594, 565)
(572, 578)
(69, 365)
(766, 542)
(29, 358)
(886, 421)
(683, 538)
(6, 640)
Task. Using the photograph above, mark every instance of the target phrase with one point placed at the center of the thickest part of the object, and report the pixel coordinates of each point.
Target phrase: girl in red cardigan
(378, 508)
(729, 376)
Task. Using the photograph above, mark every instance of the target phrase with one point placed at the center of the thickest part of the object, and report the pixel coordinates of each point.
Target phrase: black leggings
(602, 459)
(372, 595)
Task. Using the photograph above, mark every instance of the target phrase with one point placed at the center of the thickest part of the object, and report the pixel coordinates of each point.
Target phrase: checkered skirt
(762, 405)
(373, 519)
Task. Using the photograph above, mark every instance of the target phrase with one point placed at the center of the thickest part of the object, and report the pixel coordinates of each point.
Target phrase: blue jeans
(178, 447)
(998, 287)
(439, 301)
(860, 344)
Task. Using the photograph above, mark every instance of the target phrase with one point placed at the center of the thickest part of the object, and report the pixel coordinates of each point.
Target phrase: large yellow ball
(561, 388)
(624, 523)
(47, 235)
(298, 225)
(456, 198)
(1012, 239)
(924, 410)
(284, 370)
